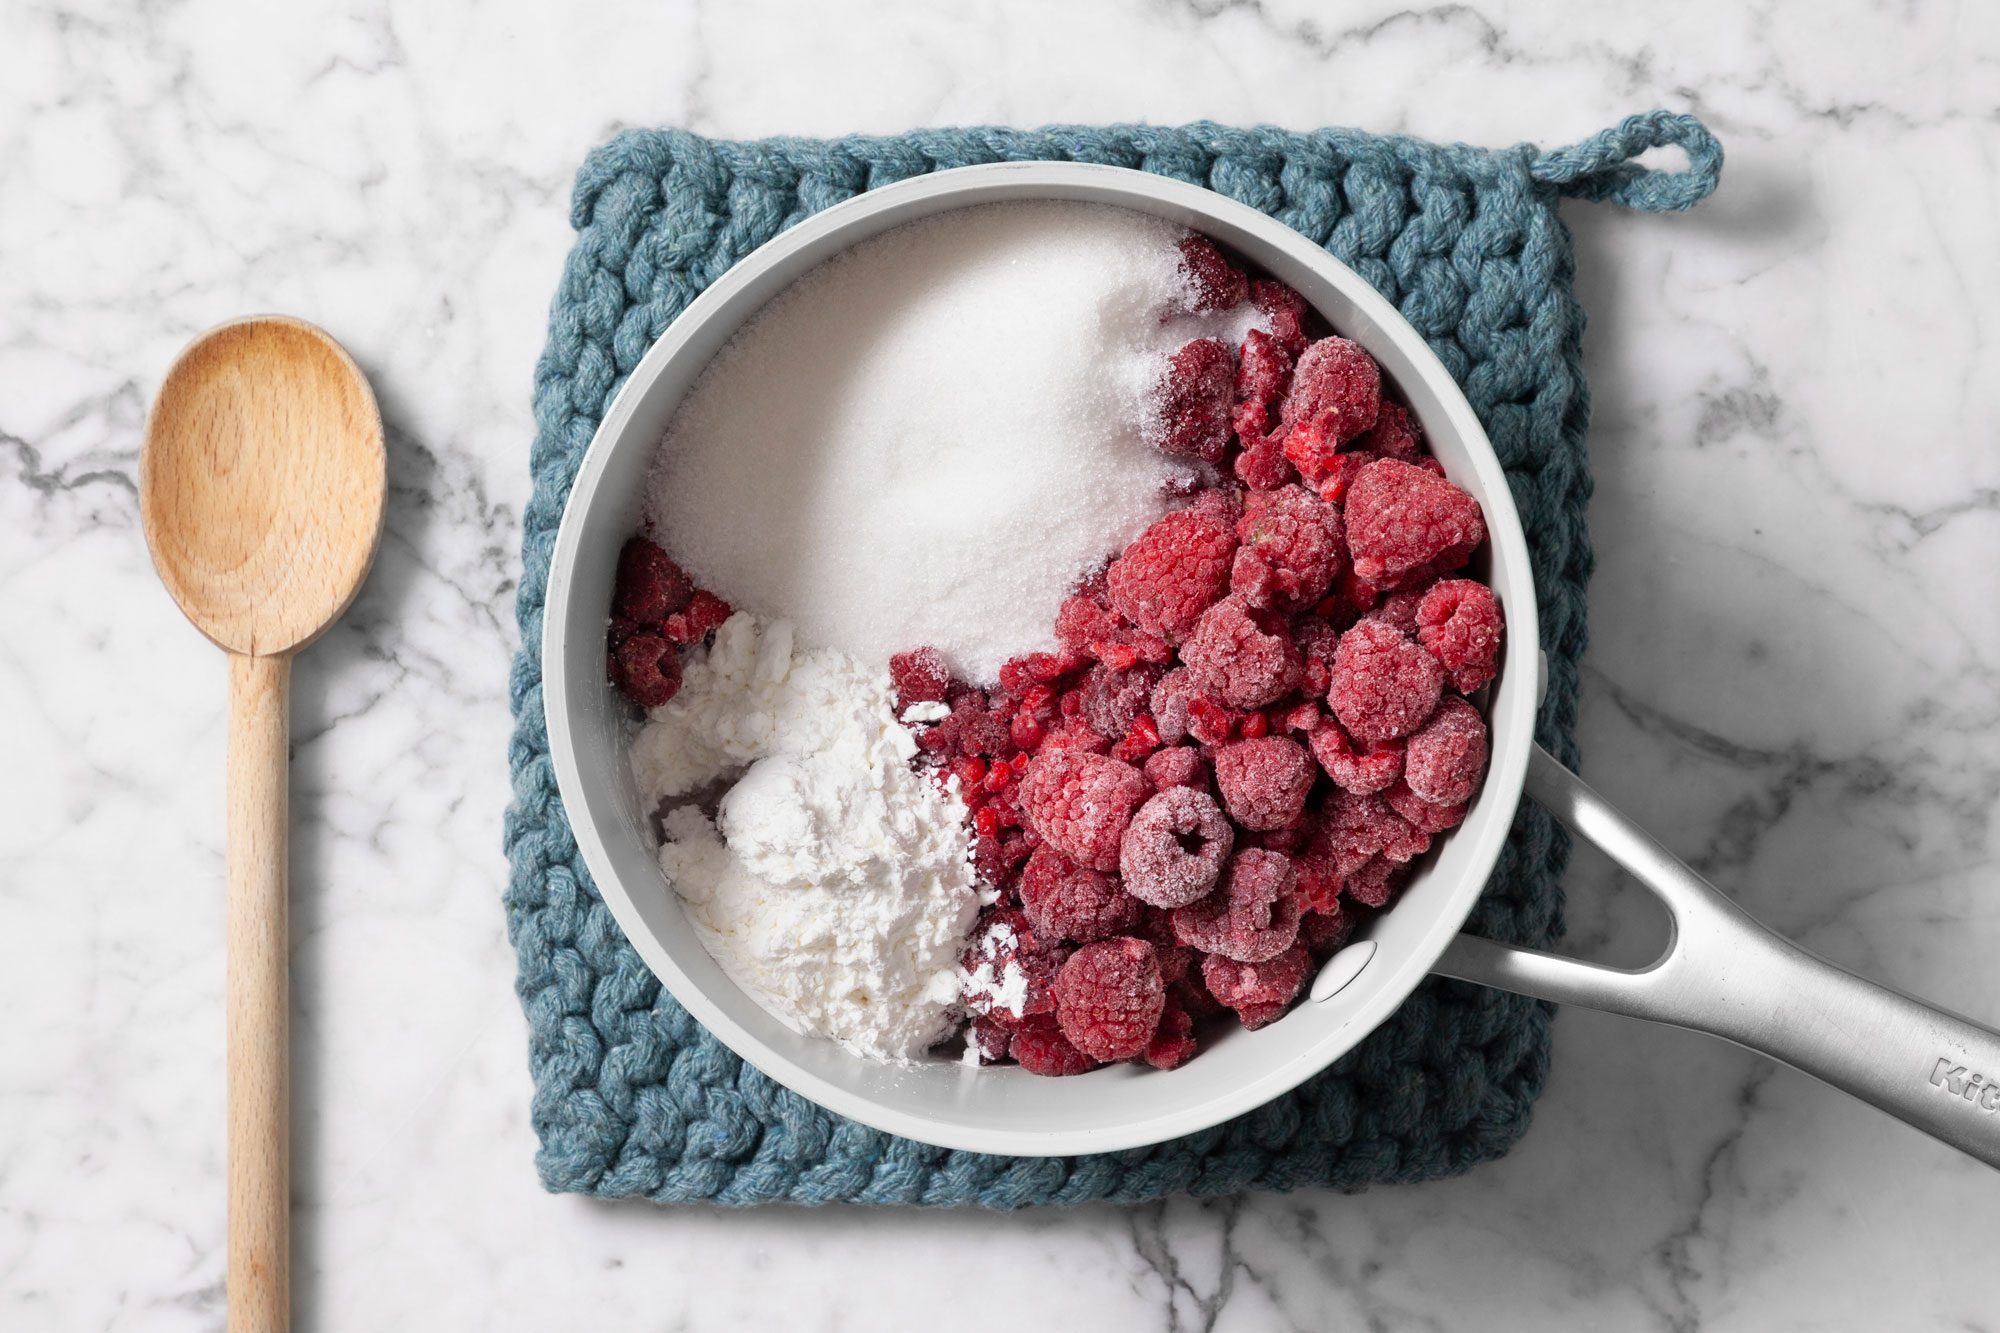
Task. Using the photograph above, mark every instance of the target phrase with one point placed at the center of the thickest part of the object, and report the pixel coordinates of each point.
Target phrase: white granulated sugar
(834, 883)
(929, 438)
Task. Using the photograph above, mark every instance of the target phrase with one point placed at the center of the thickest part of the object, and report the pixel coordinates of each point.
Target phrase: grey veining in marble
(1794, 678)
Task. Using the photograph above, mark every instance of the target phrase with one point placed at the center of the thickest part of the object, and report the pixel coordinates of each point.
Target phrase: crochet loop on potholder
(632, 1096)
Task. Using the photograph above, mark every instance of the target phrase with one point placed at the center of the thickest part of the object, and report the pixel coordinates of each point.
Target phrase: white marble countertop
(1794, 678)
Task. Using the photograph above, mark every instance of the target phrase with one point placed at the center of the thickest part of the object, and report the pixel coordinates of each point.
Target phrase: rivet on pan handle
(1725, 974)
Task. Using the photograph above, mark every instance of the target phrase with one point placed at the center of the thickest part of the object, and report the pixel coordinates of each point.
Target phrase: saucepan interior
(1004, 1110)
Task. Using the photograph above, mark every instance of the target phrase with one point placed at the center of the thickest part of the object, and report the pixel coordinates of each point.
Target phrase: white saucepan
(1722, 973)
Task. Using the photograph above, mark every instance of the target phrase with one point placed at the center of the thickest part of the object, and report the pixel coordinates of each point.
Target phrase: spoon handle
(259, 1000)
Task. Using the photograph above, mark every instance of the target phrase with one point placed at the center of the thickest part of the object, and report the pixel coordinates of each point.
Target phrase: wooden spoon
(261, 487)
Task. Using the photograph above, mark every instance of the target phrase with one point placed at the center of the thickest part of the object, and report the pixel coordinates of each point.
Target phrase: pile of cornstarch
(831, 880)
(929, 438)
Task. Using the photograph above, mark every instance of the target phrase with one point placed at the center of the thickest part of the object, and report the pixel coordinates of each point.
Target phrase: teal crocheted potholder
(632, 1096)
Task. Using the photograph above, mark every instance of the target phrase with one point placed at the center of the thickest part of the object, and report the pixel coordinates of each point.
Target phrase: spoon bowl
(261, 487)
(261, 484)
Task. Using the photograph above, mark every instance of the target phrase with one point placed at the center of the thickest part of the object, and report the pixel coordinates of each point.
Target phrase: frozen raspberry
(1176, 766)
(647, 670)
(1075, 734)
(1209, 723)
(702, 616)
(1359, 769)
(1170, 704)
(1263, 375)
(1040, 1047)
(976, 727)
(1447, 755)
(1172, 1044)
(1316, 640)
(1174, 570)
(1085, 618)
(1254, 985)
(1335, 395)
(1213, 283)
(1377, 881)
(987, 1040)
(650, 585)
(1405, 522)
(1009, 971)
(1359, 827)
(1394, 434)
(1140, 740)
(1081, 803)
(1174, 848)
(1253, 916)
(1112, 700)
(1459, 621)
(1284, 313)
(1400, 609)
(1263, 466)
(1325, 931)
(1333, 487)
(1385, 684)
(1109, 997)
(1289, 549)
(1263, 781)
(1194, 402)
(1321, 868)
(1424, 816)
(1065, 901)
(1239, 661)
(920, 676)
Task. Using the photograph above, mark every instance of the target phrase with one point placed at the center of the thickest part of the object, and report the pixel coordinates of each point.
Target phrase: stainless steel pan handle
(1723, 973)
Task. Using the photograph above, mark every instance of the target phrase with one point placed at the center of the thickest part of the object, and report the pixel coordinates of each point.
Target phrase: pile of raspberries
(655, 612)
(1257, 716)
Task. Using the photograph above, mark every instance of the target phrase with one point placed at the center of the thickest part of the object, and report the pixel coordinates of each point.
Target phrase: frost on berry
(1275, 981)
(1377, 881)
(1194, 402)
(1240, 661)
(1424, 816)
(1172, 1043)
(1176, 766)
(1359, 827)
(702, 616)
(1324, 931)
(1459, 621)
(1213, 283)
(1109, 997)
(1400, 610)
(1252, 916)
(1263, 781)
(1263, 374)
(1335, 395)
(646, 669)
(1039, 1046)
(1174, 848)
(1170, 700)
(650, 586)
(920, 676)
(1262, 466)
(1113, 700)
(1447, 755)
(1066, 901)
(1394, 434)
(1284, 312)
(1357, 768)
(1385, 684)
(1405, 523)
(1289, 548)
(1175, 570)
(1081, 802)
